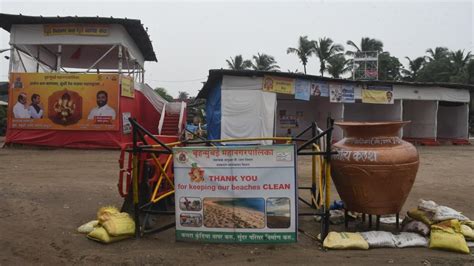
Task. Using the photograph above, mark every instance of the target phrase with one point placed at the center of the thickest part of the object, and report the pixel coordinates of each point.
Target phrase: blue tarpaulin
(213, 112)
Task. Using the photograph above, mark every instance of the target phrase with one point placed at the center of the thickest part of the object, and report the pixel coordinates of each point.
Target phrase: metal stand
(327, 153)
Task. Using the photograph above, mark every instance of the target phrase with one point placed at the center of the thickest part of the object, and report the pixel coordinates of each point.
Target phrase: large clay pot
(374, 169)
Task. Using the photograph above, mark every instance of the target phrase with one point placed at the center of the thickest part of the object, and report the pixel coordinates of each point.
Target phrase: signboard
(341, 93)
(76, 29)
(302, 90)
(380, 94)
(238, 194)
(279, 85)
(64, 101)
(126, 125)
(127, 88)
(320, 89)
(288, 121)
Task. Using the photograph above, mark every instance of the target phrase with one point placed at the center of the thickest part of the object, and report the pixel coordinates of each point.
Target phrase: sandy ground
(218, 216)
(46, 194)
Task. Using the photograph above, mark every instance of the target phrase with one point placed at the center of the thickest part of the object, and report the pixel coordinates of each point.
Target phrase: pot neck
(371, 129)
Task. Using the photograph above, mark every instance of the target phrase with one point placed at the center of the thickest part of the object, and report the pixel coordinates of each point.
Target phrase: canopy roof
(215, 75)
(133, 27)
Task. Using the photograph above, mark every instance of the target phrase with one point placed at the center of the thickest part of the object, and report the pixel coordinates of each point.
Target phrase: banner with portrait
(64, 101)
(379, 94)
(320, 89)
(278, 84)
(341, 93)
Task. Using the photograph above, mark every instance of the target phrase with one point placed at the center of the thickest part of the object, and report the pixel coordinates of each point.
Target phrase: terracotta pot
(375, 169)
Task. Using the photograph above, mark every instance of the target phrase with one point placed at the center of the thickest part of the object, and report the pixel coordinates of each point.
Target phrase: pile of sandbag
(429, 225)
(111, 226)
(448, 228)
(373, 239)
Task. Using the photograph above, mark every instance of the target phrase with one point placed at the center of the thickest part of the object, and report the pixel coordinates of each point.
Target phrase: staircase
(170, 125)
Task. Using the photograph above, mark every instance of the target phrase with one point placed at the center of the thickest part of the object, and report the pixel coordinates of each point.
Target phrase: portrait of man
(102, 108)
(268, 84)
(389, 96)
(20, 109)
(35, 109)
(18, 84)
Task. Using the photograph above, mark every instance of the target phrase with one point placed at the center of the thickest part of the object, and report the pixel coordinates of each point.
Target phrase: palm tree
(325, 48)
(264, 62)
(366, 45)
(183, 96)
(414, 66)
(238, 63)
(437, 54)
(459, 59)
(337, 65)
(304, 51)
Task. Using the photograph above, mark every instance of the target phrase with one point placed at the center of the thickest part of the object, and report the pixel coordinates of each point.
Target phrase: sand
(47, 194)
(219, 216)
(278, 221)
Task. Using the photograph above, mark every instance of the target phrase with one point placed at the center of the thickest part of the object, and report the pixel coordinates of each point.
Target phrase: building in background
(242, 104)
(75, 81)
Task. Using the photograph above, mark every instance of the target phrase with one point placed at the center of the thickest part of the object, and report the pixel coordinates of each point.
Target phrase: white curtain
(248, 114)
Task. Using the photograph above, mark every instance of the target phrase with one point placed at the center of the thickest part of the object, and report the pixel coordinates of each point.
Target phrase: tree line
(437, 65)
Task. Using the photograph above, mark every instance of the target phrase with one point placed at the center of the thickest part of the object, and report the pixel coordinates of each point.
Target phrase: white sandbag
(416, 227)
(88, 227)
(444, 213)
(378, 239)
(427, 205)
(406, 239)
(470, 244)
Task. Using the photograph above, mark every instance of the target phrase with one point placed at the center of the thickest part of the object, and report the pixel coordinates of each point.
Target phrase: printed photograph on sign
(234, 213)
(126, 125)
(64, 101)
(320, 89)
(190, 219)
(190, 204)
(278, 213)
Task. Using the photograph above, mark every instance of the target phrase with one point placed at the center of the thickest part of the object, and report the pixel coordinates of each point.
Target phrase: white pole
(58, 62)
(436, 121)
(12, 54)
(401, 117)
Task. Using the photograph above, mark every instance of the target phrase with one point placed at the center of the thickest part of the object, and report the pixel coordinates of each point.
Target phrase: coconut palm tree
(337, 65)
(366, 45)
(304, 51)
(414, 66)
(264, 62)
(324, 49)
(459, 59)
(437, 54)
(238, 63)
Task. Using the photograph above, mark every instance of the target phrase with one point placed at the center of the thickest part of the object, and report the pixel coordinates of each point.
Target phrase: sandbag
(422, 216)
(119, 224)
(344, 240)
(378, 239)
(447, 235)
(427, 205)
(468, 223)
(405, 239)
(444, 213)
(88, 227)
(416, 227)
(104, 213)
(100, 234)
(467, 232)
